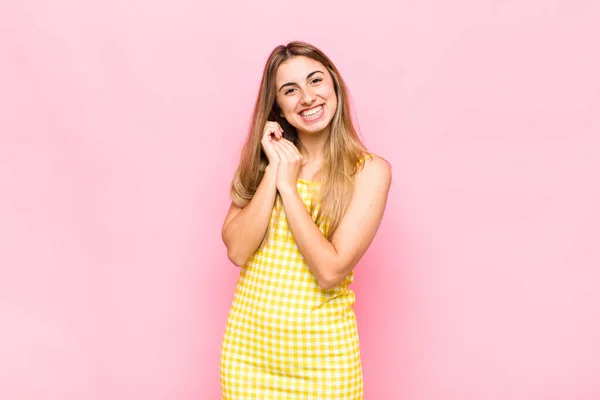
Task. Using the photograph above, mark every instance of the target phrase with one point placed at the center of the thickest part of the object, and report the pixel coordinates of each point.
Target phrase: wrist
(271, 167)
(286, 190)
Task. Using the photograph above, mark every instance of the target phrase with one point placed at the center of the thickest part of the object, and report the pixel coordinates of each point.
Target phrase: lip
(312, 120)
(310, 108)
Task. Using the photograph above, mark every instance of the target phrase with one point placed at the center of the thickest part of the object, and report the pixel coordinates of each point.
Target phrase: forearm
(246, 230)
(320, 255)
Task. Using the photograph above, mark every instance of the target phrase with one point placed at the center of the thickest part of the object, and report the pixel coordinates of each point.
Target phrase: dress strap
(363, 158)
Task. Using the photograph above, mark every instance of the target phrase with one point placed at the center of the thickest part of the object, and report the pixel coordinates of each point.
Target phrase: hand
(271, 132)
(290, 163)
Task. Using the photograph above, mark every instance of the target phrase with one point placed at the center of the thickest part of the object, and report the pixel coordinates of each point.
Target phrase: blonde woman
(307, 201)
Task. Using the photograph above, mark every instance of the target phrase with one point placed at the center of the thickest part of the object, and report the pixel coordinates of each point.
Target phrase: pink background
(120, 127)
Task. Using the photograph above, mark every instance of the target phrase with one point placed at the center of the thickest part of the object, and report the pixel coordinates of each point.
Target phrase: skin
(300, 88)
(304, 83)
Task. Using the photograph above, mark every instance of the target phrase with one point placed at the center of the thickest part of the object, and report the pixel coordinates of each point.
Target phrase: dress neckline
(307, 181)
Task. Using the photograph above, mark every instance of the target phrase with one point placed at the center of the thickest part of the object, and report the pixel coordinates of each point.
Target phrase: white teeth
(312, 112)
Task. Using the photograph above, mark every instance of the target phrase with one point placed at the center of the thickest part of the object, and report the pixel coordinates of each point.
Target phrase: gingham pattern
(285, 337)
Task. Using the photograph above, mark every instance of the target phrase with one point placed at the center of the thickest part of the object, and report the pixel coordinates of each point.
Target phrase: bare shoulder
(375, 171)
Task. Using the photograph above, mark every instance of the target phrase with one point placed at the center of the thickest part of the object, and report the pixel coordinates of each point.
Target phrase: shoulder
(374, 170)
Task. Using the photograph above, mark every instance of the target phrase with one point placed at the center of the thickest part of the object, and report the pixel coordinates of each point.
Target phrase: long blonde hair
(343, 153)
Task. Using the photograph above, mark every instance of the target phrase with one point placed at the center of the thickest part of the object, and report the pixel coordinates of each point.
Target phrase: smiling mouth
(312, 113)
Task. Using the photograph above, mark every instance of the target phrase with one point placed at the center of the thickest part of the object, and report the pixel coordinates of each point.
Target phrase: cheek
(288, 110)
(330, 94)
(333, 101)
(284, 106)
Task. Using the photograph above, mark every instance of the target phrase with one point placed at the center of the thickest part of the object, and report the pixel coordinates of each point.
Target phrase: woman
(307, 201)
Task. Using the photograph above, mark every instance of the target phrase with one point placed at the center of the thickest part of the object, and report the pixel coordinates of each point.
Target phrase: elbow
(333, 276)
(330, 281)
(326, 285)
(236, 259)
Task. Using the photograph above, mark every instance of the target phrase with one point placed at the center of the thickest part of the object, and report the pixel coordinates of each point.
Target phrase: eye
(288, 91)
(316, 80)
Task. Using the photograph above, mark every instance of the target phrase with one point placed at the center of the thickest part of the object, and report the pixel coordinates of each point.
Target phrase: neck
(313, 145)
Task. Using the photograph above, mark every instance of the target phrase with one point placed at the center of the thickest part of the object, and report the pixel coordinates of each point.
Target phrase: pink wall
(120, 125)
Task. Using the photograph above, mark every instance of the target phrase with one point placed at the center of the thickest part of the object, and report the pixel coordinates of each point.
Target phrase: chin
(313, 128)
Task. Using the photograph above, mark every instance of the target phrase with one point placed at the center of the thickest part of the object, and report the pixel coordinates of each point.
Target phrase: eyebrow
(307, 78)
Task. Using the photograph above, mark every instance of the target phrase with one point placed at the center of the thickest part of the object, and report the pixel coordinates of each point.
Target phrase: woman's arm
(244, 229)
(331, 262)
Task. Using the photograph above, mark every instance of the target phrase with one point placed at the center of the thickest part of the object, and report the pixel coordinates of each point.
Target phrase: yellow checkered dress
(285, 337)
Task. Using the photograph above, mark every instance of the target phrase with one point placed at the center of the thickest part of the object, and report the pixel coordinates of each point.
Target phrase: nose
(308, 97)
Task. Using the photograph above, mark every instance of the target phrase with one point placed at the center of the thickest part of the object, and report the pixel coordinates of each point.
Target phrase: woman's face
(305, 94)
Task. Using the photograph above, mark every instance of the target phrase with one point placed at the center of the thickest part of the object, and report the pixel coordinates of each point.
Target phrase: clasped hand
(284, 154)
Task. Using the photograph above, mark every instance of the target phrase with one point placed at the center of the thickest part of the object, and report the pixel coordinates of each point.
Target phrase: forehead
(296, 69)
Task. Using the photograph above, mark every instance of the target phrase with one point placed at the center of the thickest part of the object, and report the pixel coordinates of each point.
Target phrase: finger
(296, 151)
(290, 142)
(287, 145)
(271, 128)
(279, 150)
(293, 150)
(289, 152)
(277, 129)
